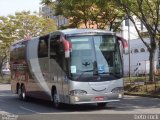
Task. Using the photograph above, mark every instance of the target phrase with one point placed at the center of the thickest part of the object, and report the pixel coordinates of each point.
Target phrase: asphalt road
(131, 107)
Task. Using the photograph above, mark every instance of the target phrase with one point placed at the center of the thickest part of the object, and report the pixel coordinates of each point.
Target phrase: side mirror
(124, 44)
(67, 47)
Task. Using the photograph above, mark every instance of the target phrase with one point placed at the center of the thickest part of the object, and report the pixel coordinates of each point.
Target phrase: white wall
(135, 57)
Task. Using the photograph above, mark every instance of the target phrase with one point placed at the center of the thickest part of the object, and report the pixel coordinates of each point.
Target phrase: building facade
(139, 55)
(49, 13)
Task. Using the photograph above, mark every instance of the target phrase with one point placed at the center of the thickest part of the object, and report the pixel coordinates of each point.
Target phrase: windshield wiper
(104, 73)
(110, 73)
(87, 71)
(116, 75)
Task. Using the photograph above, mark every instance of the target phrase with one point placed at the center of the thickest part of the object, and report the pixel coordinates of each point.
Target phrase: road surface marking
(29, 110)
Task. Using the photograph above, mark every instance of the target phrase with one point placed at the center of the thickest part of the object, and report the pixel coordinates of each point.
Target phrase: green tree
(7, 35)
(16, 27)
(148, 12)
(32, 24)
(102, 13)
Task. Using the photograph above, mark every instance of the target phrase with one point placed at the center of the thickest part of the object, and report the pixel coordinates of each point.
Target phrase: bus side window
(57, 51)
(43, 47)
(54, 46)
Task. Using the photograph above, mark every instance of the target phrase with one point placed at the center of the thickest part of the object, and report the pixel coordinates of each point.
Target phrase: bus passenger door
(43, 72)
(57, 66)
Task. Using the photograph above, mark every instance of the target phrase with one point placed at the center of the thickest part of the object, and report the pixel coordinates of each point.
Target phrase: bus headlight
(77, 92)
(117, 90)
(76, 98)
(120, 95)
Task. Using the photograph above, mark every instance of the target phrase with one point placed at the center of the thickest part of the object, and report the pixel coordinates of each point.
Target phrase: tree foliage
(148, 12)
(15, 27)
(32, 25)
(97, 13)
(7, 35)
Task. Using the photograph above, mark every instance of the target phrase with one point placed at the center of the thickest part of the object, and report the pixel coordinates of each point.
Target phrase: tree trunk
(1, 71)
(85, 23)
(152, 63)
(111, 26)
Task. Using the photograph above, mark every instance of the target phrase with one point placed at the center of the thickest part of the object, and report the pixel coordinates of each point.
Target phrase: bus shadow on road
(134, 103)
(69, 108)
(127, 104)
(10, 103)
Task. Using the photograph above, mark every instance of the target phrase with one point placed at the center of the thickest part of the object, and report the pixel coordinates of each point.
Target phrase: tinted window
(57, 51)
(18, 50)
(95, 55)
(21, 50)
(54, 46)
(43, 47)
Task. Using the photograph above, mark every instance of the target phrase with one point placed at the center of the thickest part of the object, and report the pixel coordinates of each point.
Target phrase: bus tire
(17, 88)
(56, 102)
(22, 93)
(101, 105)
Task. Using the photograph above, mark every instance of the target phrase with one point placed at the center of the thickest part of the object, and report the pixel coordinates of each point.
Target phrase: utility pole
(58, 22)
(129, 57)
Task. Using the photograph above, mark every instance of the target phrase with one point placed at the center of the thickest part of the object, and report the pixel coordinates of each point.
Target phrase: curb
(142, 95)
(5, 83)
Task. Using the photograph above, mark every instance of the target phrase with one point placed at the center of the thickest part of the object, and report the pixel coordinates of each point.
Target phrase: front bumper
(95, 98)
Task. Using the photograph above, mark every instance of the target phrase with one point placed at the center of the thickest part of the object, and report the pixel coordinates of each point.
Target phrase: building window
(43, 46)
(142, 50)
(136, 51)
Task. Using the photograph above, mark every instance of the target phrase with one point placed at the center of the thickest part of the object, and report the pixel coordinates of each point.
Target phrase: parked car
(6, 71)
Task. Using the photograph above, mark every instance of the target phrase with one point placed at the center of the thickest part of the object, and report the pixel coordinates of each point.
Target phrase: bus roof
(84, 31)
(22, 40)
(73, 31)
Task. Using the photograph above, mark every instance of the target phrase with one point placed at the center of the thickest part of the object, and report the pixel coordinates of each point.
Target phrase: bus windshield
(95, 55)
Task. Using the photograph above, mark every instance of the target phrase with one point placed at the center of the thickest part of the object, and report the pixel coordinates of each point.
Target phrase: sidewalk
(142, 95)
(5, 86)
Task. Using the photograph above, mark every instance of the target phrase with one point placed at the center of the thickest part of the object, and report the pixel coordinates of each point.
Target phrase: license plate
(99, 98)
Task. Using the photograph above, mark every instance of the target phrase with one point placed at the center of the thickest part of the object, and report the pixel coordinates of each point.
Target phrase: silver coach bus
(73, 66)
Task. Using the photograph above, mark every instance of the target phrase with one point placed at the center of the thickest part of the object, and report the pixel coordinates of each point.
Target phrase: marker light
(77, 92)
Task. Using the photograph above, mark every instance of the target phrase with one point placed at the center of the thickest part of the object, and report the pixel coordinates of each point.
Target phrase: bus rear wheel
(22, 93)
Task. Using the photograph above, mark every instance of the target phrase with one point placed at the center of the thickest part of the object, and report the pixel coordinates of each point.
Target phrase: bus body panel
(37, 82)
(58, 79)
(96, 89)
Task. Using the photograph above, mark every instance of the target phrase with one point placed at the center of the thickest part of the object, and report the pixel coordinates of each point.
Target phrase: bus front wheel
(56, 102)
(101, 105)
(22, 93)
